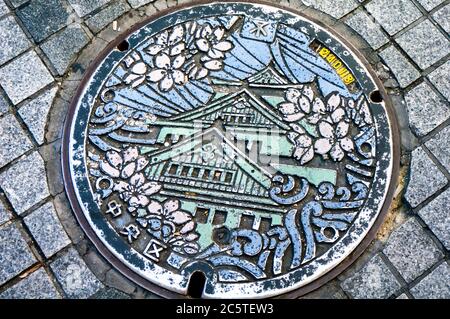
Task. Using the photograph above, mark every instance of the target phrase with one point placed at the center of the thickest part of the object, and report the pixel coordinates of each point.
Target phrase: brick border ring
(163, 292)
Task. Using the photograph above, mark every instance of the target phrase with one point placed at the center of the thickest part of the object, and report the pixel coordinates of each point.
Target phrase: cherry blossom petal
(326, 130)
(314, 119)
(177, 49)
(297, 128)
(176, 35)
(137, 180)
(141, 163)
(318, 106)
(292, 95)
(347, 144)
(333, 102)
(162, 61)
(132, 77)
(337, 115)
(179, 77)
(179, 217)
(202, 73)
(305, 104)
(109, 170)
(191, 237)
(293, 117)
(150, 188)
(308, 156)
(137, 82)
(287, 108)
(219, 32)
(213, 65)
(155, 49)
(121, 187)
(139, 68)
(139, 200)
(304, 141)
(206, 31)
(336, 153)
(299, 152)
(156, 75)
(202, 45)
(128, 170)
(215, 54)
(114, 159)
(223, 46)
(166, 83)
(188, 227)
(178, 62)
(342, 129)
(155, 207)
(130, 154)
(171, 205)
(323, 146)
(162, 38)
(309, 93)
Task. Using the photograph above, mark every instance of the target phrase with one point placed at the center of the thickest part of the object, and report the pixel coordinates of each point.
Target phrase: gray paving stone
(393, 15)
(330, 7)
(13, 140)
(373, 281)
(24, 76)
(367, 28)
(46, 229)
(62, 48)
(425, 178)
(411, 251)
(3, 8)
(110, 293)
(430, 4)
(442, 17)
(402, 296)
(5, 215)
(77, 281)
(4, 105)
(25, 182)
(425, 44)
(13, 40)
(436, 214)
(38, 285)
(35, 112)
(439, 145)
(84, 7)
(44, 17)
(426, 110)
(441, 79)
(434, 286)
(104, 17)
(15, 255)
(138, 3)
(404, 71)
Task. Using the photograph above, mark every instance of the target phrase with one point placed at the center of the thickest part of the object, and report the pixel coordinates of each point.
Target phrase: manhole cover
(230, 150)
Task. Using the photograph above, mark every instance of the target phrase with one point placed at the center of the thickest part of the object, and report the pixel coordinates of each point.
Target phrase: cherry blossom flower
(168, 223)
(136, 74)
(334, 140)
(303, 144)
(123, 165)
(167, 71)
(169, 42)
(298, 103)
(211, 43)
(136, 191)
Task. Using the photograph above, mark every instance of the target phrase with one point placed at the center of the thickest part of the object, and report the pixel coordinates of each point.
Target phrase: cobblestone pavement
(48, 44)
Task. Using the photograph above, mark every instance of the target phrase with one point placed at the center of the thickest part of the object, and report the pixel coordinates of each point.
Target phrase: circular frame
(70, 190)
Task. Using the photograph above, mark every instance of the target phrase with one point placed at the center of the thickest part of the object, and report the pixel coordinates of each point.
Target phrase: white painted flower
(211, 44)
(137, 190)
(167, 71)
(334, 140)
(123, 165)
(299, 103)
(168, 223)
(303, 144)
(169, 42)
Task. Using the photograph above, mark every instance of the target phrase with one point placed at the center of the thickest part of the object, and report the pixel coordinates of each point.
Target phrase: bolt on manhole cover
(230, 150)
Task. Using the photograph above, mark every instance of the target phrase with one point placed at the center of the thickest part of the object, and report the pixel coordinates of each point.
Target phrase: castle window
(217, 175)
(206, 174)
(228, 177)
(220, 216)
(185, 170)
(247, 221)
(173, 169)
(201, 215)
(195, 172)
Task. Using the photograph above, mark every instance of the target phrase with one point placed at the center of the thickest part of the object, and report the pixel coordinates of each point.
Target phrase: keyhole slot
(196, 284)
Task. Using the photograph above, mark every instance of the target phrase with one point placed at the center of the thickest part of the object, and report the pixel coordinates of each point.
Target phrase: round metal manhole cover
(230, 150)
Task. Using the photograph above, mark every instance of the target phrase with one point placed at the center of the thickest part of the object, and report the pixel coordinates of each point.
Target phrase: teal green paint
(313, 175)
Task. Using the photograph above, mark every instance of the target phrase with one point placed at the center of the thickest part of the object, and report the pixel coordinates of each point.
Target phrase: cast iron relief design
(236, 140)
